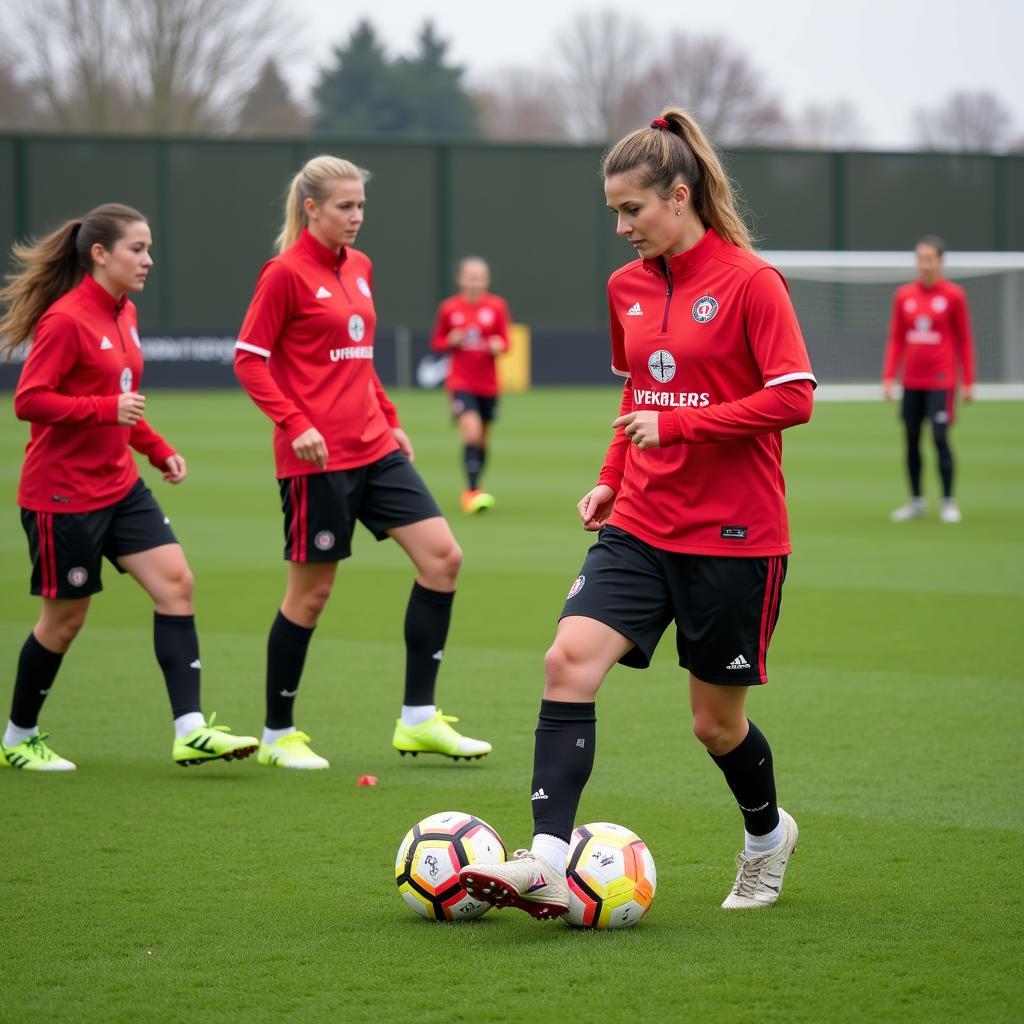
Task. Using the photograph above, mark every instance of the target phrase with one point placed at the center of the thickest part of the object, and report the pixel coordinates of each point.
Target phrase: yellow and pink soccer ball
(611, 877)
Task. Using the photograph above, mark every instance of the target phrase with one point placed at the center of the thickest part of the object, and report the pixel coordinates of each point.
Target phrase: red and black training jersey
(472, 366)
(710, 340)
(85, 352)
(929, 334)
(305, 356)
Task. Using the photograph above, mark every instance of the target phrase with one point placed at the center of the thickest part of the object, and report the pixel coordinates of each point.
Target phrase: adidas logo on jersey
(106, 343)
(322, 293)
(635, 310)
(738, 662)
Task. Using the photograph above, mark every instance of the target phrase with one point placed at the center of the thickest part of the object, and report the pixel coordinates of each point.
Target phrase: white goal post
(844, 299)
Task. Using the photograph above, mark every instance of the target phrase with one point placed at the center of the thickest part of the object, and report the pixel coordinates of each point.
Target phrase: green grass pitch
(133, 890)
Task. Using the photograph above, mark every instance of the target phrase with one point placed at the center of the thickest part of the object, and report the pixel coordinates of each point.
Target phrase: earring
(679, 211)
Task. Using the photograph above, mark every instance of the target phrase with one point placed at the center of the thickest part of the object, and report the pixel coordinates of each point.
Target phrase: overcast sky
(888, 57)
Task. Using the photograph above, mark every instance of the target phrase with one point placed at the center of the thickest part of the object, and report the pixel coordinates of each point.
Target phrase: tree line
(215, 67)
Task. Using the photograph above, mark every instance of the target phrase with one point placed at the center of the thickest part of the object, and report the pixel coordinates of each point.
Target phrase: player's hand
(641, 428)
(129, 408)
(175, 469)
(888, 390)
(496, 345)
(311, 447)
(456, 336)
(404, 443)
(967, 393)
(595, 507)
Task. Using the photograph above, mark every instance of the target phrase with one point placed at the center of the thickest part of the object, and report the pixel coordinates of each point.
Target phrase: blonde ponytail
(679, 149)
(312, 182)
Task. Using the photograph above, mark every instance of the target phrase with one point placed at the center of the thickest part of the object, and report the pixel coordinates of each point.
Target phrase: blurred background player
(690, 506)
(305, 356)
(929, 338)
(80, 493)
(473, 327)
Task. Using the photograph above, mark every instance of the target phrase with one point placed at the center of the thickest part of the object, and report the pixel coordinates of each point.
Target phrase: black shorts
(919, 405)
(725, 609)
(67, 548)
(485, 405)
(321, 509)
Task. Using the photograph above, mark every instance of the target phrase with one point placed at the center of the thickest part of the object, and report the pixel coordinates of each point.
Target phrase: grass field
(135, 891)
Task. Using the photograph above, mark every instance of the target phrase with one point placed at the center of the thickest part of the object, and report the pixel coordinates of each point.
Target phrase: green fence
(535, 211)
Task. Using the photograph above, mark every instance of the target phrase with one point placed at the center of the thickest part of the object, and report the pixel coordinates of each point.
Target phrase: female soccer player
(929, 334)
(473, 327)
(690, 505)
(80, 494)
(305, 356)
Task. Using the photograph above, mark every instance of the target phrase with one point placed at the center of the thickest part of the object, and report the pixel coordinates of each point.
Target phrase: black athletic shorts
(466, 401)
(725, 609)
(919, 405)
(68, 548)
(321, 509)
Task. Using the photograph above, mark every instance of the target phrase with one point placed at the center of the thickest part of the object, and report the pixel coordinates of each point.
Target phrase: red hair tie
(660, 122)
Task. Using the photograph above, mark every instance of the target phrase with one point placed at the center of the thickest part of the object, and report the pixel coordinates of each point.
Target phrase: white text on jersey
(670, 398)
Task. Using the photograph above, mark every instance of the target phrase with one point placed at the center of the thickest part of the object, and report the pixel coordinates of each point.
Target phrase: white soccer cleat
(950, 511)
(527, 881)
(291, 751)
(759, 879)
(916, 508)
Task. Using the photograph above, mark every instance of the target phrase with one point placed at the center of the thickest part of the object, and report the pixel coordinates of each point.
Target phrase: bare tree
(269, 108)
(516, 105)
(145, 65)
(829, 126)
(965, 121)
(719, 85)
(18, 106)
(603, 61)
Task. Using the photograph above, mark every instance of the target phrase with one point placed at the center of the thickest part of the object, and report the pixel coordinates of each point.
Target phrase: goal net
(844, 300)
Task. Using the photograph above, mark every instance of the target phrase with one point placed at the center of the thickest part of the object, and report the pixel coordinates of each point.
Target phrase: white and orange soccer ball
(429, 859)
(611, 877)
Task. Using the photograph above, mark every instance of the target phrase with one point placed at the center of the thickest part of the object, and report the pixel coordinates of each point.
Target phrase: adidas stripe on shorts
(725, 609)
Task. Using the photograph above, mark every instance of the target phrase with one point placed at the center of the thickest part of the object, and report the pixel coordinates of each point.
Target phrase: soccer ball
(611, 877)
(428, 862)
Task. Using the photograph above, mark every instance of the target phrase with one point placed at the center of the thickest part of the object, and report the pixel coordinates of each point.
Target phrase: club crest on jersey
(324, 540)
(363, 286)
(134, 332)
(705, 308)
(576, 587)
(662, 366)
(356, 327)
(939, 304)
(486, 317)
(77, 576)
(126, 379)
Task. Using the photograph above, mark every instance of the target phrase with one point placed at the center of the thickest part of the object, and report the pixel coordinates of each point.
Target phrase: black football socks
(749, 773)
(473, 461)
(177, 652)
(427, 617)
(563, 758)
(287, 645)
(37, 669)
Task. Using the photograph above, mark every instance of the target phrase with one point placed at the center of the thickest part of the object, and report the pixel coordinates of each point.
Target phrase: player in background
(80, 493)
(690, 506)
(305, 356)
(473, 327)
(929, 339)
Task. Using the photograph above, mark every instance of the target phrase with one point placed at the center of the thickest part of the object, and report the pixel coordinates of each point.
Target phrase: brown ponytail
(47, 269)
(681, 151)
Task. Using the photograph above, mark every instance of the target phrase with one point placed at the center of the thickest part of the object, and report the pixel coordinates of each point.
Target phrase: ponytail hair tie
(660, 122)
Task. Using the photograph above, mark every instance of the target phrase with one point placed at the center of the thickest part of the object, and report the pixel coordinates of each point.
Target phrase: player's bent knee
(566, 674)
(716, 734)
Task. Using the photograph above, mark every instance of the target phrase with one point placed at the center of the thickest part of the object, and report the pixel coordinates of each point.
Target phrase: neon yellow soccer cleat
(212, 742)
(33, 755)
(291, 751)
(436, 736)
(476, 501)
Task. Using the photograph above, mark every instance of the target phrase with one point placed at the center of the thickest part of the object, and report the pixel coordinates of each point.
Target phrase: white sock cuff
(552, 849)
(188, 723)
(15, 734)
(273, 735)
(417, 714)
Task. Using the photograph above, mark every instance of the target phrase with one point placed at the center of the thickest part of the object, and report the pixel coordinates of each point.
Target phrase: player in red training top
(473, 327)
(80, 493)
(305, 356)
(690, 506)
(929, 337)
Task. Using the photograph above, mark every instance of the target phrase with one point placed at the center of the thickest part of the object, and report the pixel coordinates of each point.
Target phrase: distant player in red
(930, 342)
(305, 356)
(81, 496)
(690, 506)
(473, 327)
